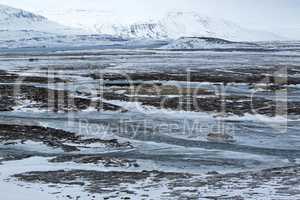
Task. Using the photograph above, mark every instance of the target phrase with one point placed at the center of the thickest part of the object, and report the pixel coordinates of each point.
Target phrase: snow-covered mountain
(206, 43)
(19, 28)
(189, 24)
(22, 28)
(16, 24)
(173, 26)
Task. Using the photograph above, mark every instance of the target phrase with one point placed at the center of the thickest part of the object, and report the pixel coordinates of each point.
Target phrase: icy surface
(258, 144)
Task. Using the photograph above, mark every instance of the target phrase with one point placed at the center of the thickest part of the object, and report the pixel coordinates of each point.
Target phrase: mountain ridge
(172, 26)
(196, 43)
(13, 20)
(21, 28)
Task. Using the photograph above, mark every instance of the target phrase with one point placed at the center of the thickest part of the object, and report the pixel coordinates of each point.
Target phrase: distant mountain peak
(173, 25)
(10, 13)
(17, 24)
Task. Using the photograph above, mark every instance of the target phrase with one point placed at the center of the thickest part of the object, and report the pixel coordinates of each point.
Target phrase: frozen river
(192, 112)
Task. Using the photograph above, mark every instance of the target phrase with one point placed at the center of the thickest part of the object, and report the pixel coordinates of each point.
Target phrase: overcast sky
(272, 15)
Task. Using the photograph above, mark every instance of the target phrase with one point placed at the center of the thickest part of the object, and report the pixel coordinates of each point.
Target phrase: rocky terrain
(150, 124)
(283, 182)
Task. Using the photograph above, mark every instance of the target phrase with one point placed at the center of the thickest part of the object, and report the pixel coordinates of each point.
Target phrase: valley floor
(150, 124)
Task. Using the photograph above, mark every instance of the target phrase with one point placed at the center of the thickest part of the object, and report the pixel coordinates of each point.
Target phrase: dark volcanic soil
(283, 181)
(14, 94)
(268, 79)
(10, 134)
(250, 75)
